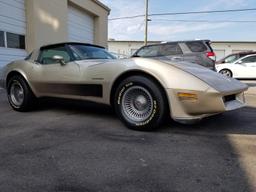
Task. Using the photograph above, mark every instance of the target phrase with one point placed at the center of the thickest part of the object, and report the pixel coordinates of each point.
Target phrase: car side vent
(229, 98)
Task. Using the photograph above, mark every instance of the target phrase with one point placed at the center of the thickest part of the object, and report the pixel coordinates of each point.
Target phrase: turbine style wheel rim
(17, 93)
(226, 73)
(137, 104)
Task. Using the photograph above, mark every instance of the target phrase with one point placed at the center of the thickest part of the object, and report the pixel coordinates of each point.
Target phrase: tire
(140, 103)
(20, 96)
(226, 72)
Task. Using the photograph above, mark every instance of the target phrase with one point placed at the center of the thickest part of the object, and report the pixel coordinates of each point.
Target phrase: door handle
(179, 58)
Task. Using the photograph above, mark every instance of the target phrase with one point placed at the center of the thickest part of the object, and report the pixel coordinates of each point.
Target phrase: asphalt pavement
(78, 146)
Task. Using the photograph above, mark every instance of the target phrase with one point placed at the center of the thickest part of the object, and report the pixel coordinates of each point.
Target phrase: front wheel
(140, 103)
(226, 72)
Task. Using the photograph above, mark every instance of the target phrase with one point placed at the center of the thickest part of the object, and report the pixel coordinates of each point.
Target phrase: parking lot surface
(77, 146)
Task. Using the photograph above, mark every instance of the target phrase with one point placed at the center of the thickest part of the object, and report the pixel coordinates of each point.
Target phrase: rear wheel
(140, 103)
(226, 72)
(19, 94)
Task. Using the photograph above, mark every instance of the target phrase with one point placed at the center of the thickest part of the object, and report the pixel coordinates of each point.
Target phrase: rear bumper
(208, 103)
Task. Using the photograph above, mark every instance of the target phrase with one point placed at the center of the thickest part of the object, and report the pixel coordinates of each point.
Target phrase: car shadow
(75, 106)
(240, 121)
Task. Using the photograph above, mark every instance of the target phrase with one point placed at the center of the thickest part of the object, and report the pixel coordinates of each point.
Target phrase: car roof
(242, 52)
(247, 52)
(184, 41)
(68, 43)
(244, 57)
(248, 56)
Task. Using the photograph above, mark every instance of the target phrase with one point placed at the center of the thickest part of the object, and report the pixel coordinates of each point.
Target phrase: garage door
(12, 30)
(81, 26)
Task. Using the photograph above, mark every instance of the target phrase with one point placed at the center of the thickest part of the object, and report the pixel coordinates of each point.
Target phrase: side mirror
(59, 59)
(239, 62)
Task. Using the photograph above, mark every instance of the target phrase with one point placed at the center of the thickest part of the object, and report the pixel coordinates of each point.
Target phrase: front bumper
(209, 102)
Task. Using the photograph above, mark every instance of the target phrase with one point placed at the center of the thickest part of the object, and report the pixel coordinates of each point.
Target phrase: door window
(160, 50)
(251, 59)
(231, 58)
(196, 46)
(170, 49)
(46, 55)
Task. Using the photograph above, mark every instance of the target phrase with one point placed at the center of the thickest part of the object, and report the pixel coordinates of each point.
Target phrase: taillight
(211, 55)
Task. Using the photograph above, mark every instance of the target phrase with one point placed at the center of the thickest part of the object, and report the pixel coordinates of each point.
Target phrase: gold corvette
(143, 91)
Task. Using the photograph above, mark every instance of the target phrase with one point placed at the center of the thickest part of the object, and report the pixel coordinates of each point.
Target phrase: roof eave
(102, 5)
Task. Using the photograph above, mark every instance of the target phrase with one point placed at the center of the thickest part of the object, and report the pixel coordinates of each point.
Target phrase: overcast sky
(160, 29)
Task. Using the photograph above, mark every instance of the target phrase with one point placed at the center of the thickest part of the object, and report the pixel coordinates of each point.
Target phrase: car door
(248, 66)
(54, 78)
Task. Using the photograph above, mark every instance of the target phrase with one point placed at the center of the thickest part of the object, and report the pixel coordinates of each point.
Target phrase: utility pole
(146, 23)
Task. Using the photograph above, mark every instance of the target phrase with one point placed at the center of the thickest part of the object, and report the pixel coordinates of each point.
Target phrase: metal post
(146, 23)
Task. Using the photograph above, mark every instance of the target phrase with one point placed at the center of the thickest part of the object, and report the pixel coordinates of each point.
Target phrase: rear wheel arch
(12, 74)
(17, 73)
(20, 96)
(137, 73)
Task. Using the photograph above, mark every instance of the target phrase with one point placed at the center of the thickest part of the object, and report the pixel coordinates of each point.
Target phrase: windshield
(231, 58)
(82, 52)
(28, 57)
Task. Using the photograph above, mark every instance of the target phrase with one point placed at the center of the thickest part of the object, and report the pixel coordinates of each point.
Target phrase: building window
(15, 41)
(1, 39)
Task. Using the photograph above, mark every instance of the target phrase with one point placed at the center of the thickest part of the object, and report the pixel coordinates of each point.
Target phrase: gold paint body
(174, 80)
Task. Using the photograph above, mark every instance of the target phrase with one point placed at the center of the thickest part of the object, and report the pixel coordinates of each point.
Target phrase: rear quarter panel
(22, 67)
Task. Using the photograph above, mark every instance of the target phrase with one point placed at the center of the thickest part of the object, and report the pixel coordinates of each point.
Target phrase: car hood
(217, 81)
(220, 66)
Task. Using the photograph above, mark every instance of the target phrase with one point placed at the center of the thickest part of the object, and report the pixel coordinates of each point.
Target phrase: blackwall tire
(226, 72)
(20, 96)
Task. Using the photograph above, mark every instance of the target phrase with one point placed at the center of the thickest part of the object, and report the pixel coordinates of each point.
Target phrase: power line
(129, 17)
(184, 13)
(203, 12)
(204, 21)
